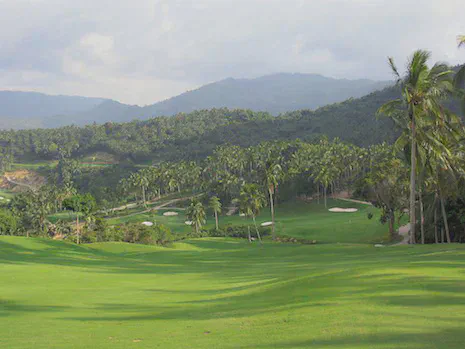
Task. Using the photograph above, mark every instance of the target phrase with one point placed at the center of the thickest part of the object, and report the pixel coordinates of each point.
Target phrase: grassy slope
(297, 219)
(229, 294)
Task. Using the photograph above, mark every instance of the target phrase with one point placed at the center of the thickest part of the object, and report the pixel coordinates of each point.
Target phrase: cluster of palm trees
(433, 136)
(151, 182)
(253, 177)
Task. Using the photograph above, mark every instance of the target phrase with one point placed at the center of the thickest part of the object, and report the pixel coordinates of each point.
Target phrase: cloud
(145, 51)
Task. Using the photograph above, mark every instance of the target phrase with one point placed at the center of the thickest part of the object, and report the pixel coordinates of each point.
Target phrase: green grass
(175, 223)
(296, 219)
(218, 293)
(6, 194)
(314, 222)
(34, 165)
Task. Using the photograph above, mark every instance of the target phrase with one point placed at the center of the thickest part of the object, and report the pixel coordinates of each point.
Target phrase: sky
(144, 51)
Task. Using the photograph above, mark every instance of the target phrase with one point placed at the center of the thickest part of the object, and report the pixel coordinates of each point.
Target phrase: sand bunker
(170, 213)
(241, 214)
(188, 222)
(148, 224)
(2, 198)
(338, 209)
(266, 224)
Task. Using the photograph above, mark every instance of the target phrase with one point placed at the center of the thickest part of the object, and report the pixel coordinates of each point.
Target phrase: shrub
(8, 223)
(155, 235)
(238, 231)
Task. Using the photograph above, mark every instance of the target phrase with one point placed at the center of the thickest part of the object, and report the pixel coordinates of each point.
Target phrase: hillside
(196, 134)
(275, 94)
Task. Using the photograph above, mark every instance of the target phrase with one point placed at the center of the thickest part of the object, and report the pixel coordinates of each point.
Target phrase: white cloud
(144, 51)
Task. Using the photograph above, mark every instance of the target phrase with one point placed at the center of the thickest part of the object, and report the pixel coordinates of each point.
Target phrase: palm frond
(461, 40)
(390, 107)
(459, 78)
(394, 69)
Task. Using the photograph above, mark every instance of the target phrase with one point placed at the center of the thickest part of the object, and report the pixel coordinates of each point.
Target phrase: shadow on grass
(330, 290)
(8, 308)
(452, 337)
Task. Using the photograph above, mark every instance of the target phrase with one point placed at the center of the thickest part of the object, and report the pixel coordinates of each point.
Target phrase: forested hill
(275, 94)
(196, 134)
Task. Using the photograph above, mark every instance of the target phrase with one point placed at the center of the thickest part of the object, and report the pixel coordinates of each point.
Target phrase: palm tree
(273, 172)
(196, 214)
(422, 90)
(140, 179)
(460, 76)
(215, 205)
(251, 201)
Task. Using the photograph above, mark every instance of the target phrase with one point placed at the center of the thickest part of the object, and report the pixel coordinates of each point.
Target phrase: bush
(154, 235)
(8, 223)
(238, 231)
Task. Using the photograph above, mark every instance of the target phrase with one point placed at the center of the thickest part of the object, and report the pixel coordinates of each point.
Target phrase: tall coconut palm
(196, 214)
(140, 179)
(460, 76)
(422, 90)
(215, 205)
(272, 174)
(251, 201)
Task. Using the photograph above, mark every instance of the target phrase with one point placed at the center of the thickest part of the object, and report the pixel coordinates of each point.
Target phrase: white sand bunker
(338, 209)
(241, 214)
(170, 213)
(188, 222)
(266, 224)
(148, 224)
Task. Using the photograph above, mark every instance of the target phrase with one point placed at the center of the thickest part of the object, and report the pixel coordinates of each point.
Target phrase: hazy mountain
(277, 93)
(31, 109)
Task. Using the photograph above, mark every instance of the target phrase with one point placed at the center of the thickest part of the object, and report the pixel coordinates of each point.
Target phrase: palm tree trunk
(256, 229)
(324, 191)
(216, 219)
(77, 228)
(318, 193)
(413, 160)
(436, 237)
(444, 217)
(422, 219)
(248, 233)
(273, 233)
(143, 196)
(392, 221)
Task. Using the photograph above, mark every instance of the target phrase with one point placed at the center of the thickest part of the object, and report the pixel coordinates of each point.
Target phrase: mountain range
(276, 94)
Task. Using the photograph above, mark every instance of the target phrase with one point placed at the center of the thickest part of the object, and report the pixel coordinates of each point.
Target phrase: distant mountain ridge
(276, 94)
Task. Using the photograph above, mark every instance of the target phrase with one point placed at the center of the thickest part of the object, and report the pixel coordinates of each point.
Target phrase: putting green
(220, 293)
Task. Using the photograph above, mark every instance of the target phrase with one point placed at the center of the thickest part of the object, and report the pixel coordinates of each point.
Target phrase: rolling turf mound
(221, 293)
